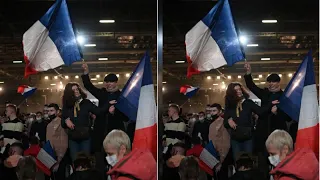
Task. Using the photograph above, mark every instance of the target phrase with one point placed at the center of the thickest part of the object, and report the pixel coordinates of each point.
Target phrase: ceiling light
(262, 82)
(209, 88)
(269, 21)
(52, 84)
(218, 77)
(229, 77)
(1, 82)
(208, 77)
(260, 76)
(97, 76)
(223, 82)
(280, 75)
(16, 62)
(256, 79)
(90, 45)
(252, 45)
(223, 86)
(55, 77)
(239, 77)
(118, 75)
(103, 59)
(80, 39)
(179, 62)
(107, 21)
(163, 89)
(60, 82)
(77, 77)
(61, 86)
(0, 88)
(215, 84)
(290, 75)
(243, 39)
(265, 59)
(105, 75)
(164, 82)
(128, 75)
(93, 79)
(100, 82)
(67, 77)
(268, 74)
(46, 77)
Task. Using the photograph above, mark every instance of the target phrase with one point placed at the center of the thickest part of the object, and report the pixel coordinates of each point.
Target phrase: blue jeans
(79, 146)
(237, 147)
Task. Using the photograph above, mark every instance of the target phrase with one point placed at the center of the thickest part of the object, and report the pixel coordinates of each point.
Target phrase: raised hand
(247, 67)
(85, 68)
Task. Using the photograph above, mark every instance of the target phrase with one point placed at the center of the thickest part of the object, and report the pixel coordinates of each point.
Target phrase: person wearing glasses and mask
(201, 128)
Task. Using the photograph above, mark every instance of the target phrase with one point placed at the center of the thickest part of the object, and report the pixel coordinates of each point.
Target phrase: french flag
(137, 101)
(188, 91)
(299, 101)
(26, 91)
(50, 42)
(213, 42)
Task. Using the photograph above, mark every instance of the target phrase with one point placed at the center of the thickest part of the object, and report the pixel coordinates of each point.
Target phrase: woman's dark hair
(231, 98)
(68, 98)
(189, 168)
(83, 160)
(26, 168)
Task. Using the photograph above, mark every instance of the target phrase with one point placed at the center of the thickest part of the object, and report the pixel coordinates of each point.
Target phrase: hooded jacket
(139, 164)
(301, 164)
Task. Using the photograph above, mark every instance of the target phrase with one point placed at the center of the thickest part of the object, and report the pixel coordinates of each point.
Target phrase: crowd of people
(251, 141)
(88, 141)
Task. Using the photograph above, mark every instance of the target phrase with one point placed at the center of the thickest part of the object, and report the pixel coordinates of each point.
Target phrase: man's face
(9, 111)
(171, 112)
(215, 111)
(15, 151)
(177, 151)
(272, 150)
(110, 85)
(201, 116)
(274, 86)
(76, 91)
(39, 116)
(45, 110)
(238, 91)
(52, 111)
(112, 150)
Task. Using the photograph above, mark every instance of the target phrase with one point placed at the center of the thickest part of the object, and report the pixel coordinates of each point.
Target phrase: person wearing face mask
(270, 120)
(39, 128)
(58, 139)
(124, 164)
(191, 123)
(45, 113)
(201, 129)
(289, 164)
(238, 117)
(76, 118)
(220, 138)
(208, 113)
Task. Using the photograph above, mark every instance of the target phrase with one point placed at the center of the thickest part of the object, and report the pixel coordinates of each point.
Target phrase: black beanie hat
(111, 78)
(273, 78)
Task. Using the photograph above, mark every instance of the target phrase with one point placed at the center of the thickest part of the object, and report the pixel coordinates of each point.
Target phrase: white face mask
(208, 115)
(274, 160)
(201, 118)
(46, 116)
(112, 160)
(193, 119)
(38, 118)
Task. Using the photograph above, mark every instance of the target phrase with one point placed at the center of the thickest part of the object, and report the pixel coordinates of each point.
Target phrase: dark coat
(106, 122)
(267, 122)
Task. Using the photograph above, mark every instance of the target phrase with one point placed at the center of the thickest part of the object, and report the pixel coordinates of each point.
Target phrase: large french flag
(137, 101)
(26, 91)
(188, 91)
(300, 102)
(209, 157)
(50, 42)
(213, 42)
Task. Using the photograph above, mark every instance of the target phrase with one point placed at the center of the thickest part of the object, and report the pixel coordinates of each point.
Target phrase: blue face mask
(112, 160)
(274, 160)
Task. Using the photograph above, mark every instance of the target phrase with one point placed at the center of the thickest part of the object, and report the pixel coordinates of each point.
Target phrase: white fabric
(309, 115)
(202, 49)
(147, 110)
(45, 158)
(190, 89)
(208, 158)
(40, 49)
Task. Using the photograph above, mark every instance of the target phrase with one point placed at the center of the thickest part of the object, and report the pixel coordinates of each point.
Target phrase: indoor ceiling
(284, 43)
(122, 43)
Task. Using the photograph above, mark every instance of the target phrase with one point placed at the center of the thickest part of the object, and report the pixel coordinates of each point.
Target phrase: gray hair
(117, 138)
(280, 138)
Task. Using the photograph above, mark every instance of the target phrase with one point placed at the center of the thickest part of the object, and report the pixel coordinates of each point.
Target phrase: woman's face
(238, 91)
(76, 91)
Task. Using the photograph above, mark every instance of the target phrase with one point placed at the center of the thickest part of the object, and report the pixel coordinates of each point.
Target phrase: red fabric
(146, 138)
(309, 138)
(139, 163)
(28, 70)
(33, 151)
(191, 70)
(196, 151)
(302, 163)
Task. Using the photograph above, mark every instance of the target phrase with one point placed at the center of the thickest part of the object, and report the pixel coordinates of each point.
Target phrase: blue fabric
(48, 148)
(128, 101)
(192, 93)
(57, 21)
(290, 101)
(29, 93)
(210, 147)
(223, 31)
(82, 146)
(237, 147)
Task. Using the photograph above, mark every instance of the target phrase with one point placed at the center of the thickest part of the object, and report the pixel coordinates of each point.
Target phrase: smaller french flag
(189, 91)
(210, 155)
(46, 156)
(26, 91)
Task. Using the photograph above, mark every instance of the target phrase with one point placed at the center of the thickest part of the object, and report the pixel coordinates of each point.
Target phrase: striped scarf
(76, 108)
